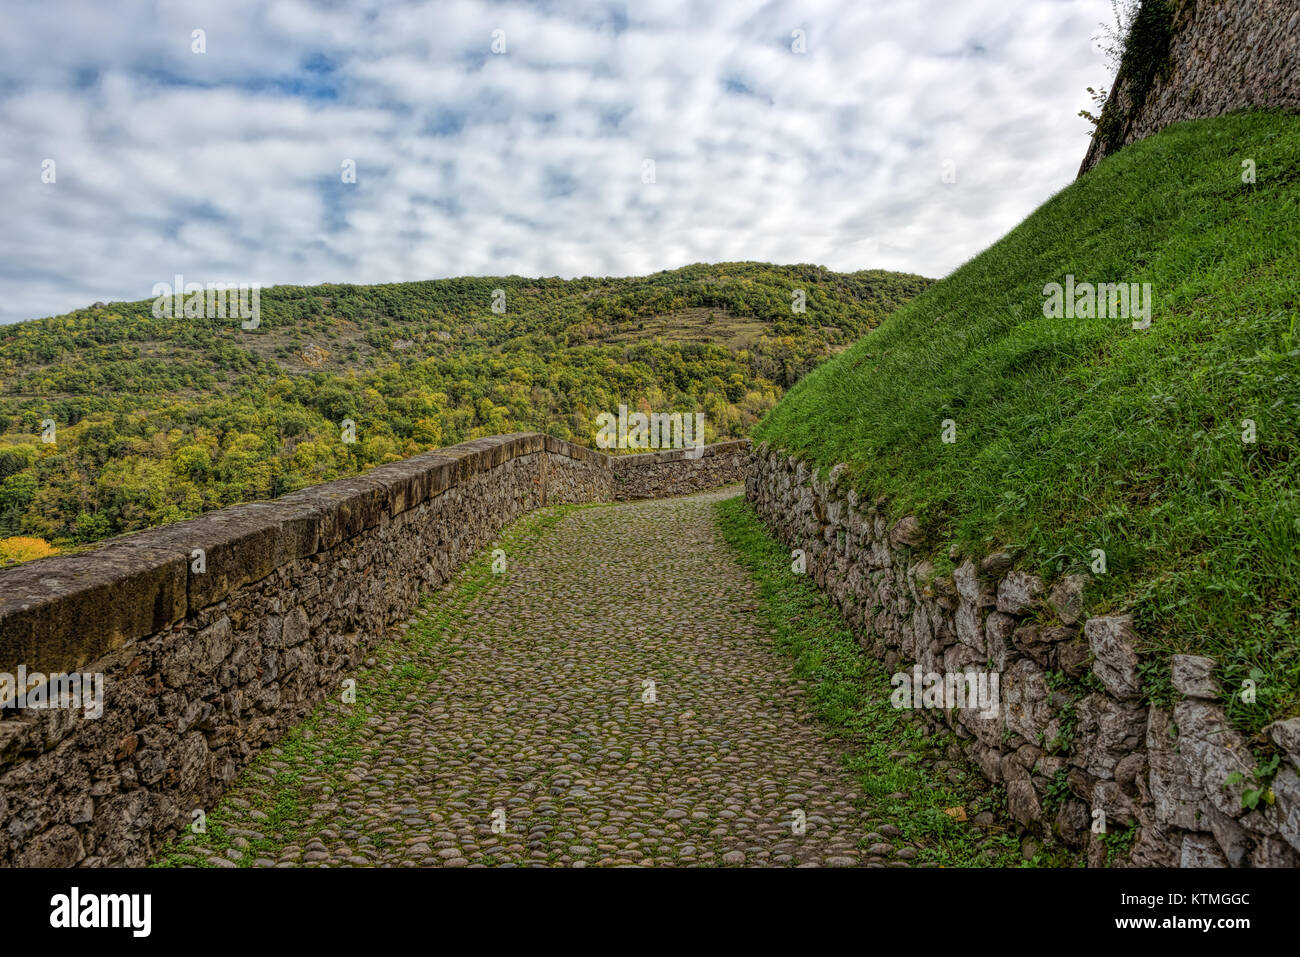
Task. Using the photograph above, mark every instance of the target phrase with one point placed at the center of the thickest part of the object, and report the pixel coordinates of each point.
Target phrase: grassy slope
(1076, 434)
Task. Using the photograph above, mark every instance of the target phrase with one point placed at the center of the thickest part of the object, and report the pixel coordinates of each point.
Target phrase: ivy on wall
(1146, 59)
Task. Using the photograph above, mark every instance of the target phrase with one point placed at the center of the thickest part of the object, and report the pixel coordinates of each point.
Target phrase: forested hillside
(160, 419)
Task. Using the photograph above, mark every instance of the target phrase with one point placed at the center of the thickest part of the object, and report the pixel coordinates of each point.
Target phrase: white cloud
(225, 165)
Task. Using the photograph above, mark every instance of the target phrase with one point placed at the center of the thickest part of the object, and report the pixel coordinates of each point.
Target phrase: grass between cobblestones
(901, 767)
(321, 749)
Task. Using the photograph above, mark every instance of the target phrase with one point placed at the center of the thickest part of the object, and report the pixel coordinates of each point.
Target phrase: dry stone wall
(1067, 751)
(205, 663)
(676, 472)
(1211, 57)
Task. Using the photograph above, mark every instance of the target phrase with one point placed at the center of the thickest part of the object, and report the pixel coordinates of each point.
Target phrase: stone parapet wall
(679, 472)
(1210, 57)
(573, 475)
(205, 664)
(1072, 737)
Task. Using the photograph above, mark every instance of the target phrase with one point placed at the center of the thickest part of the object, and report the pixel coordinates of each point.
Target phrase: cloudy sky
(571, 138)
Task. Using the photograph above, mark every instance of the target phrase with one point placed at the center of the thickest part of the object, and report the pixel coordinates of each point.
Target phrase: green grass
(850, 692)
(329, 741)
(1082, 434)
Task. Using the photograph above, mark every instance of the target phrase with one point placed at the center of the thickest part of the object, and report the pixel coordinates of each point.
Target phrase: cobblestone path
(527, 707)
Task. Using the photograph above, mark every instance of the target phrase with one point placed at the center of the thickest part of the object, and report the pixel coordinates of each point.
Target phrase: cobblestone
(539, 739)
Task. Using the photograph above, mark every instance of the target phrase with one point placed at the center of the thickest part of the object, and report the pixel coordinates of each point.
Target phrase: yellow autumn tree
(14, 551)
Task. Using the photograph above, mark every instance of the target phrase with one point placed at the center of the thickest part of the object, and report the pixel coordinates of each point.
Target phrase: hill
(160, 419)
(1175, 449)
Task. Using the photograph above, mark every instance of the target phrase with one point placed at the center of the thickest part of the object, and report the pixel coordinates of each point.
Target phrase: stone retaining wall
(205, 665)
(1214, 56)
(1065, 749)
